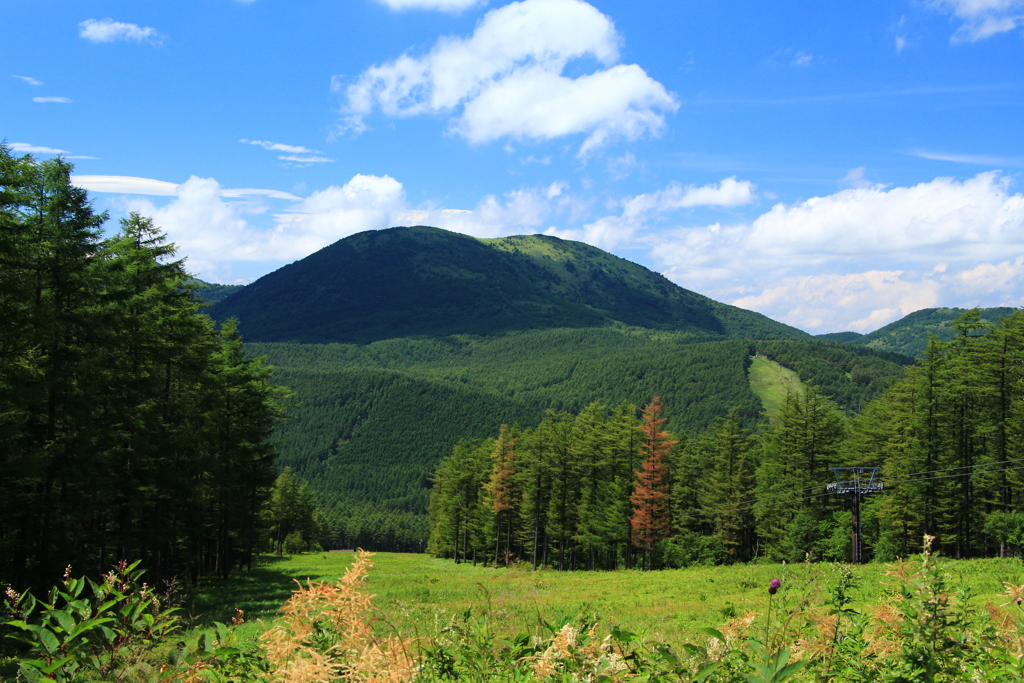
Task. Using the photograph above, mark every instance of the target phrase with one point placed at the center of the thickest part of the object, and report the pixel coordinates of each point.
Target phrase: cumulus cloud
(441, 5)
(863, 254)
(108, 31)
(214, 229)
(861, 302)
(982, 18)
(51, 100)
(28, 79)
(366, 202)
(609, 232)
(508, 79)
(515, 213)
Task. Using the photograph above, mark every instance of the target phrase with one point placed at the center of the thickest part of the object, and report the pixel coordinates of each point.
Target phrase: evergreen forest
(371, 471)
(131, 426)
(608, 487)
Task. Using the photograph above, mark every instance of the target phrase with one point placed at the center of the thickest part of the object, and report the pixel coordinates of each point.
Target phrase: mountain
(909, 335)
(411, 281)
(400, 343)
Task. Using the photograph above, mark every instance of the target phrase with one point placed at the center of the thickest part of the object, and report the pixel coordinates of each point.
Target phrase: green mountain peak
(424, 281)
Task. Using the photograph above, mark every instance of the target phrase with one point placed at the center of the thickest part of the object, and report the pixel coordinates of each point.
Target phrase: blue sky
(832, 165)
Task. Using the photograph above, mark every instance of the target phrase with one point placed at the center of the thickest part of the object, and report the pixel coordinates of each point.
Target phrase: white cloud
(28, 79)
(108, 31)
(441, 5)
(217, 232)
(365, 202)
(306, 159)
(57, 100)
(861, 254)
(516, 213)
(293, 153)
(975, 159)
(855, 178)
(802, 58)
(861, 302)
(729, 192)
(280, 147)
(26, 148)
(507, 80)
(610, 232)
(118, 184)
(982, 18)
(253, 192)
(621, 167)
(125, 185)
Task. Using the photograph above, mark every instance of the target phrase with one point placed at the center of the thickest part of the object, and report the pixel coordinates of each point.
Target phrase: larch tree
(503, 493)
(651, 518)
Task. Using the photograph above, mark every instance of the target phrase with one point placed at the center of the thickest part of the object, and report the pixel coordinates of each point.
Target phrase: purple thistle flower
(774, 586)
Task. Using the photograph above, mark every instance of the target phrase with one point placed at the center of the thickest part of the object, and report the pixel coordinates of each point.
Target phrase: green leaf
(715, 632)
(57, 664)
(48, 640)
(66, 621)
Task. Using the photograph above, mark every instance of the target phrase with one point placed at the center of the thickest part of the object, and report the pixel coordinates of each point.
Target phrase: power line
(791, 497)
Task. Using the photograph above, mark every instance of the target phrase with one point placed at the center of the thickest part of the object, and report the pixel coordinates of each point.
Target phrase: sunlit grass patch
(771, 382)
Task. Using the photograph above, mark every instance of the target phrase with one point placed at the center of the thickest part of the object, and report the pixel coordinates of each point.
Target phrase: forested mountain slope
(411, 281)
(372, 421)
(401, 343)
(909, 335)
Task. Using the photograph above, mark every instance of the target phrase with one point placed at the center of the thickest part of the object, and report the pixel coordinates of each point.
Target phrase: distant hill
(909, 335)
(845, 337)
(413, 281)
(211, 293)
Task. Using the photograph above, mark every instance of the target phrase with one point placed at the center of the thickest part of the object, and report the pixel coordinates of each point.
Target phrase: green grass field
(415, 594)
(771, 382)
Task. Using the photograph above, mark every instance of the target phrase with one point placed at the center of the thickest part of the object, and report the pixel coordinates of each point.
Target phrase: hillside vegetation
(372, 421)
(909, 335)
(402, 282)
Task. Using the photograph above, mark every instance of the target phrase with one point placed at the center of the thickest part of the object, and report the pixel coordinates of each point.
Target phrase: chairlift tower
(859, 481)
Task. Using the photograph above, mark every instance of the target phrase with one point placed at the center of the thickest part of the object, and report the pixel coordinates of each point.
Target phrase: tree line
(131, 427)
(608, 488)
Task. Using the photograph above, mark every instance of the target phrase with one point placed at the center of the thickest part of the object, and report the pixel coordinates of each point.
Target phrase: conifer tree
(729, 488)
(650, 499)
(503, 492)
(796, 453)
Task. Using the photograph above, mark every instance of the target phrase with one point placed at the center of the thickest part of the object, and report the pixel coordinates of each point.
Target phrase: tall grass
(413, 618)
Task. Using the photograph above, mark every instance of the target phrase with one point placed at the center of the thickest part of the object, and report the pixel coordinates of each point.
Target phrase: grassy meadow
(771, 382)
(418, 594)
